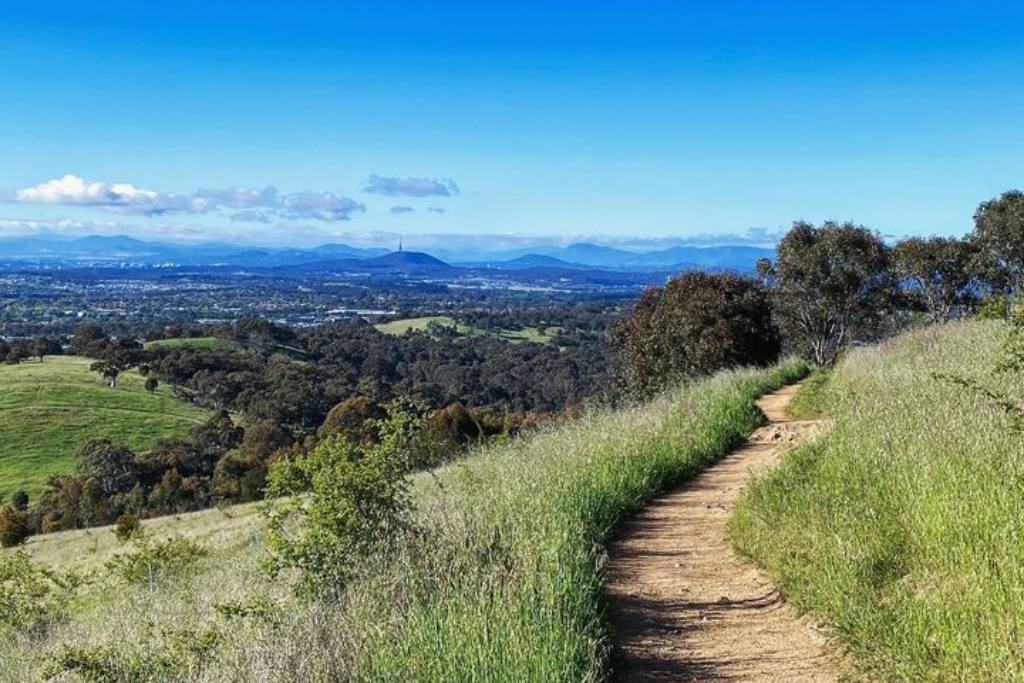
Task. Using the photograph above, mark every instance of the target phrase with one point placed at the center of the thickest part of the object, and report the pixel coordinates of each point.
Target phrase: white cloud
(258, 205)
(325, 206)
(410, 187)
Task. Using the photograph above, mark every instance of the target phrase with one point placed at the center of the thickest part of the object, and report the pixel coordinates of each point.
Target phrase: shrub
(153, 561)
(14, 526)
(994, 306)
(164, 655)
(696, 325)
(345, 504)
(30, 596)
(127, 528)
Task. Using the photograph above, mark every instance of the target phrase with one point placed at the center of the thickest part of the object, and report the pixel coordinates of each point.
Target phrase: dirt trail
(685, 606)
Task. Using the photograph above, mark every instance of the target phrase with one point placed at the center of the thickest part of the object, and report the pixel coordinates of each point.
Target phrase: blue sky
(566, 119)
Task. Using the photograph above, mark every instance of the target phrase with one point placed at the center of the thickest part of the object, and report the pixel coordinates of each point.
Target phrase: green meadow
(48, 408)
(194, 342)
(420, 324)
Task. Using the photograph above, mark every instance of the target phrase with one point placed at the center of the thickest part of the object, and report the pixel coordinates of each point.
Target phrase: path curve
(685, 606)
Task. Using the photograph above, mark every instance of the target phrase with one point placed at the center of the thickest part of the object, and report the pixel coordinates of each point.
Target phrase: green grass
(903, 530)
(195, 342)
(808, 404)
(503, 585)
(400, 327)
(531, 334)
(47, 409)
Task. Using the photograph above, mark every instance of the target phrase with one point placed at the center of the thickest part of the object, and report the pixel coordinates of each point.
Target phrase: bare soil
(685, 606)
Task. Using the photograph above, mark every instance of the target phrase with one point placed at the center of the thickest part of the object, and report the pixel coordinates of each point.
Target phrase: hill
(48, 408)
(902, 529)
(502, 585)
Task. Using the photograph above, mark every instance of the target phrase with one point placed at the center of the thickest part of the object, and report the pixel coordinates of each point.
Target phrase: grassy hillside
(195, 342)
(904, 529)
(399, 327)
(47, 409)
(504, 584)
(533, 334)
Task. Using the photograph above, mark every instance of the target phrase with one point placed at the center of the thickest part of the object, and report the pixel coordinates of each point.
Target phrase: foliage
(165, 655)
(902, 528)
(127, 527)
(112, 465)
(347, 503)
(994, 306)
(697, 324)
(19, 500)
(14, 526)
(356, 418)
(941, 273)
(832, 286)
(30, 596)
(48, 409)
(154, 561)
(999, 234)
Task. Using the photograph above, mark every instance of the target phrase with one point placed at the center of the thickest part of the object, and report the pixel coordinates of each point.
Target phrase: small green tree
(151, 384)
(153, 561)
(340, 505)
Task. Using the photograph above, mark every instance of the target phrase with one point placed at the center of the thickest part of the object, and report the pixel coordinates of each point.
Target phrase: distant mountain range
(122, 250)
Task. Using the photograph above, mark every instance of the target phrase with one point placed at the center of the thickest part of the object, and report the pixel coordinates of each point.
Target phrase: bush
(14, 527)
(154, 561)
(30, 596)
(696, 325)
(994, 307)
(128, 527)
(345, 504)
(161, 656)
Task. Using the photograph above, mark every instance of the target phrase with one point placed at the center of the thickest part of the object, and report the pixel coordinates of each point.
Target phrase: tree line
(830, 286)
(277, 391)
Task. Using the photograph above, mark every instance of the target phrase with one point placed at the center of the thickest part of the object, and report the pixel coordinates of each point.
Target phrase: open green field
(48, 408)
(502, 584)
(195, 342)
(400, 327)
(531, 334)
(903, 530)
